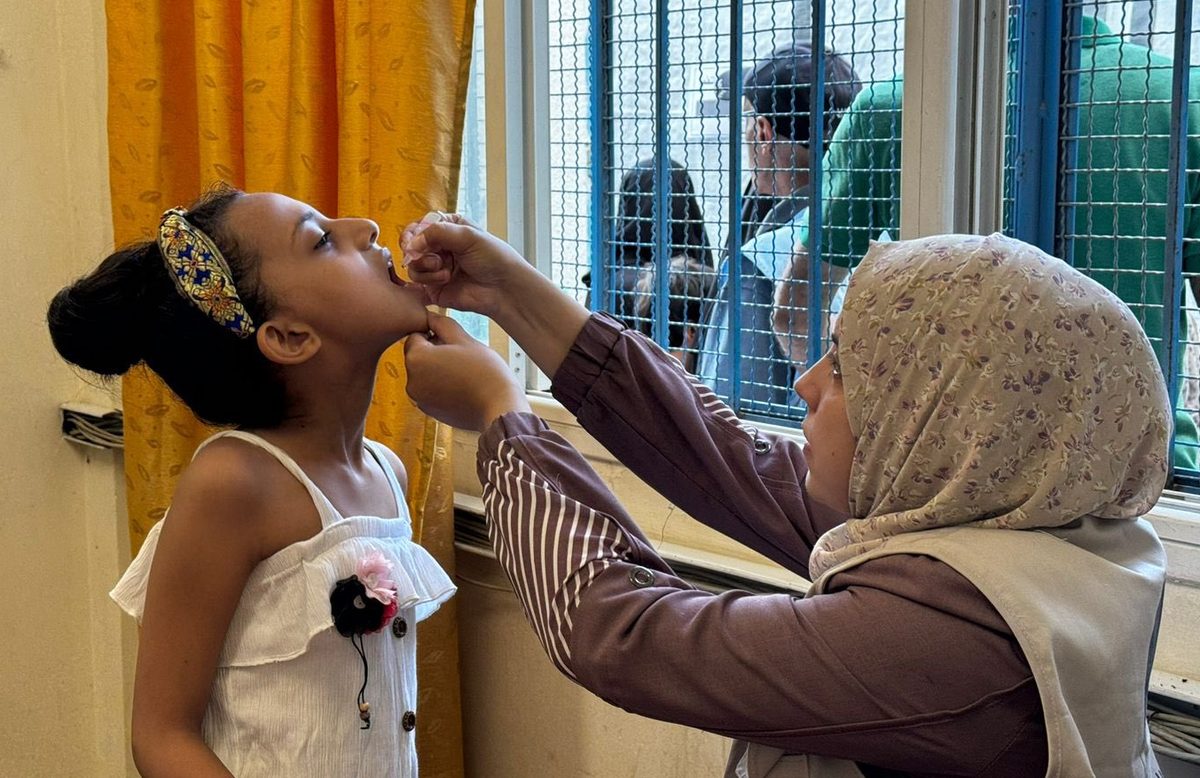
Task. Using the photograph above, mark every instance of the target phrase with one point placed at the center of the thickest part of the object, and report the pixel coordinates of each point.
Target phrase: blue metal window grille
(665, 215)
(1013, 88)
(1103, 169)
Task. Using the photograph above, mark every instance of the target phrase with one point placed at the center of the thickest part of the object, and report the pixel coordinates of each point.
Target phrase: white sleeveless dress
(284, 700)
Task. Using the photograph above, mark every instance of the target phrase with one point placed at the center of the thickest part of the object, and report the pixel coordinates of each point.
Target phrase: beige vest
(1082, 602)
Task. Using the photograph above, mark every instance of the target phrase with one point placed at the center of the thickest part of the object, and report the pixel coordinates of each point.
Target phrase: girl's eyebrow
(309, 216)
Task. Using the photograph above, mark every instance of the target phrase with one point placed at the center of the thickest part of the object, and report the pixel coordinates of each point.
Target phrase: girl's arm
(207, 549)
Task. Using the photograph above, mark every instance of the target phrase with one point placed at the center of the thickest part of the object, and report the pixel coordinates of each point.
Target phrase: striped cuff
(551, 546)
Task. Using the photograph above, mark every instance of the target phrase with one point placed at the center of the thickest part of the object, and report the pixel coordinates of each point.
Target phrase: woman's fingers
(436, 277)
(458, 218)
(443, 331)
(415, 344)
(440, 238)
(447, 330)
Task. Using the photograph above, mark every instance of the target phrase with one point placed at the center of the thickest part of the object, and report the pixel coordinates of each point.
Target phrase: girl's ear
(287, 341)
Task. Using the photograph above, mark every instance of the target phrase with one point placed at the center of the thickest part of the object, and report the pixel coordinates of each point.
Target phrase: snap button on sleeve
(641, 577)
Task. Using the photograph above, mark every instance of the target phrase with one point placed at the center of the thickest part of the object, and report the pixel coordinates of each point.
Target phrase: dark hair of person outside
(690, 287)
(779, 87)
(633, 235)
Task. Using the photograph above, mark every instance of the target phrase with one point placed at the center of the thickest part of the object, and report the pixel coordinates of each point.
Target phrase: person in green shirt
(1120, 171)
(861, 192)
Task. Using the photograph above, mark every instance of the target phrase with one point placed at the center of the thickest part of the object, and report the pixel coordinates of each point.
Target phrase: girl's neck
(326, 418)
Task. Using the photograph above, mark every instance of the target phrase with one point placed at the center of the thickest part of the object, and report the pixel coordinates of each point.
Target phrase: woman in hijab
(981, 440)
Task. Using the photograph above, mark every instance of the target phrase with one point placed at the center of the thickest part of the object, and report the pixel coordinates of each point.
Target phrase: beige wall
(61, 671)
(521, 718)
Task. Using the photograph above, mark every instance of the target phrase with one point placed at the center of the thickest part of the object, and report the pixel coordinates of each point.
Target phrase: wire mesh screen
(1187, 134)
(1124, 214)
(570, 144)
(687, 179)
(472, 176)
(1012, 107)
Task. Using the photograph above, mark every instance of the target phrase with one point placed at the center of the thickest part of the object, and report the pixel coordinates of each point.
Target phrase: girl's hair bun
(98, 322)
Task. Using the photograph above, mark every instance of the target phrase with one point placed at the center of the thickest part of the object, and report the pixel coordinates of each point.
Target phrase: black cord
(363, 708)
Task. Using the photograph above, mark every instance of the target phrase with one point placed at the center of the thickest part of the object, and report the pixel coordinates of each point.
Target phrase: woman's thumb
(446, 329)
(415, 344)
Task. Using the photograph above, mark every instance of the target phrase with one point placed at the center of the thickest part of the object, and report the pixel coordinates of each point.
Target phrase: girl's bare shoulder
(239, 490)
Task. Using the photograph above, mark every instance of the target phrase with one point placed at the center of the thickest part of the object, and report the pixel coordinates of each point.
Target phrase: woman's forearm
(541, 317)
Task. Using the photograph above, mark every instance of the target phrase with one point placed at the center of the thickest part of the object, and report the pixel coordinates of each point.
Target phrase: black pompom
(354, 613)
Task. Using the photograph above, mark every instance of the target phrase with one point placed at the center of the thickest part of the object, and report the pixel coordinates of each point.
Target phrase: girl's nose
(369, 231)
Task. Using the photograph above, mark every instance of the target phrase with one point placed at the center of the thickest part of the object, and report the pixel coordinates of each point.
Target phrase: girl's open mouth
(391, 269)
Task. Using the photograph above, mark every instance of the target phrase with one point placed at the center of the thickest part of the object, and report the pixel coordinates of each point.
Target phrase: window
(655, 149)
(1117, 193)
(551, 102)
(472, 174)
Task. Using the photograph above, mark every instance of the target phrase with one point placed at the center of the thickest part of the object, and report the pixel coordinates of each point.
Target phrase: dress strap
(378, 450)
(325, 509)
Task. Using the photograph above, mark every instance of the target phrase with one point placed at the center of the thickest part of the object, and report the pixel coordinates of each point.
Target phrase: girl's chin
(411, 293)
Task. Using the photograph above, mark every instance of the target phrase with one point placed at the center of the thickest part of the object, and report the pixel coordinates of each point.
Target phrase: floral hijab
(989, 384)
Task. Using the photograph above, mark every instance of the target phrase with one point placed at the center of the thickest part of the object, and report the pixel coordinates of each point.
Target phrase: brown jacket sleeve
(681, 439)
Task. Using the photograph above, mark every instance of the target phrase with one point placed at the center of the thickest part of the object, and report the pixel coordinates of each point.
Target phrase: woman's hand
(464, 267)
(461, 266)
(458, 380)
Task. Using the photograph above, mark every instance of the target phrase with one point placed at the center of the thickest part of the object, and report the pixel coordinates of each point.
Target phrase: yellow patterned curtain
(355, 106)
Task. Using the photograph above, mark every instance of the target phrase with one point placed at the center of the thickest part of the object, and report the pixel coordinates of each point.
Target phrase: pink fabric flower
(373, 570)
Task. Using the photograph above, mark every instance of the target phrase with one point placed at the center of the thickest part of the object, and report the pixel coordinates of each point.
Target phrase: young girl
(279, 597)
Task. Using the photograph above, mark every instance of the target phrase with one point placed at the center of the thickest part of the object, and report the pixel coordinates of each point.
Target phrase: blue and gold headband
(200, 272)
